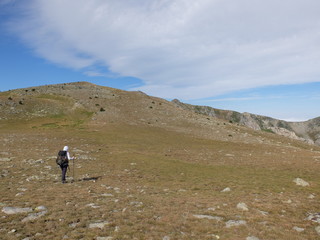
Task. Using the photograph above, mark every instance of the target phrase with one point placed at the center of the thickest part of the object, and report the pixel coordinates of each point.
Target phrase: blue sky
(254, 56)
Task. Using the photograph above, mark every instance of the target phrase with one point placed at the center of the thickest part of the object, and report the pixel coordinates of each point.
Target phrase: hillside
(308, 131)
(147, 169)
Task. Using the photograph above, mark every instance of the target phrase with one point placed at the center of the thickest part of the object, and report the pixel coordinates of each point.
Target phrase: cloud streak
(180, 48)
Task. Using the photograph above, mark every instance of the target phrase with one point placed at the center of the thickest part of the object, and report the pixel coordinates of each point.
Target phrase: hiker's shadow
(90, 178)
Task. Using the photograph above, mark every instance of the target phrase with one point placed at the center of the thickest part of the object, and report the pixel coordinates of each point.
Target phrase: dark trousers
(64, 171)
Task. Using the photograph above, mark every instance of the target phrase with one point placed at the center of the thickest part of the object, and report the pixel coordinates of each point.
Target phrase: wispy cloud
(180, 48)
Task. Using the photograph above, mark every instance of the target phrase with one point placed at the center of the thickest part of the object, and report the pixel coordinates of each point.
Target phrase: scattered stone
(229, 155)
(100, 225)
(242, 206)
(41, 208)
(311, 196)
(5, 159)
(166, 238)
(104, 238)
(314, 217)
(34, 216)
(226, 190)
(235, 223)
(301, 182)
(317, 229)
(208, 217)
(263, 213)
(16, 210)
(92, 205)
(74, 225)
(298, 229)
(137, 204)
(252, 238)
(33, 178)
(215, 236)
(107, 195)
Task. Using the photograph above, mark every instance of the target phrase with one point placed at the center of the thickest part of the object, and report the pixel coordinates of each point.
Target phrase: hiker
(63, 161)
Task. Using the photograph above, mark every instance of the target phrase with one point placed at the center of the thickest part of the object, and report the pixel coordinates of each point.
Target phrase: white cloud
(181, 48)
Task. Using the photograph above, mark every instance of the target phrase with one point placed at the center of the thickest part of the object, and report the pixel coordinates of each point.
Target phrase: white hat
(66, 148)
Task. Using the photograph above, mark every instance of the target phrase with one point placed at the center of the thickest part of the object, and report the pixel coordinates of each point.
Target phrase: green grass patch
(52, 97)
(267, 130)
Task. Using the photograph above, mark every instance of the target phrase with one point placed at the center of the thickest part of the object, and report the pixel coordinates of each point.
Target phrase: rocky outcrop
(308, 131)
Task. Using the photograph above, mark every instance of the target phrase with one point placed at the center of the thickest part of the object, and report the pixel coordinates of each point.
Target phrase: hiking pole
(73, 167)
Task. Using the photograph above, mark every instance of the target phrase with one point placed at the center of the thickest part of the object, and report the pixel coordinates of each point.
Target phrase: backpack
(62, 158)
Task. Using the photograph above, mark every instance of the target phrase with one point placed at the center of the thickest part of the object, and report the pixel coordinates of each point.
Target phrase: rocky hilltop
(308, 131)
(79, 102)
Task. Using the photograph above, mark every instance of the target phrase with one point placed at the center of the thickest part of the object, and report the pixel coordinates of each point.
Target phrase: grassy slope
(158, 180)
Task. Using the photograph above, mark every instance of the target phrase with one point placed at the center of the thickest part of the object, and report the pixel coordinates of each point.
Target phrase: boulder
(15, 210)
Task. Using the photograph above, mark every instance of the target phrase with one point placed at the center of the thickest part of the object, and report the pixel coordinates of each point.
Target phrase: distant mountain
(308, 131)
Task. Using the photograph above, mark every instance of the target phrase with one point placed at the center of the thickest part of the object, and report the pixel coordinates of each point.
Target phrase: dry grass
(147, 183)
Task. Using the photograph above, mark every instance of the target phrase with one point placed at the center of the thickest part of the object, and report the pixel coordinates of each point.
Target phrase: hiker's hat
(66, 148)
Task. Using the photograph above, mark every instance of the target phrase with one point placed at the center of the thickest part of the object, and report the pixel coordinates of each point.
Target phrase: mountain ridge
(307, 131)
(80, 102)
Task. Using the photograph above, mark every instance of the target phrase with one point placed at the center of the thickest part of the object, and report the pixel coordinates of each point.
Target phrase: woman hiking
(63, 161)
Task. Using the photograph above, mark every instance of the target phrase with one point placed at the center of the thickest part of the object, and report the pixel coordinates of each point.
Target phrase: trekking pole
(73, 167)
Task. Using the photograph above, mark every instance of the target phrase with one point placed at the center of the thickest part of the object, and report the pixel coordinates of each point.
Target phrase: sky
(255, 56)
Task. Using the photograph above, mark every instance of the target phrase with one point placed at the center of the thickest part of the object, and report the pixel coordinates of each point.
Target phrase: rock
(226, 190)
(5, 160)
(107, 195)
(242, 206)
(317, 230)
(314, 217)
(34, 216)
(34, 177)
(252, 238)
(166, 238)
(311, 196)
(208, 217)
(229, 155)
(215, 236)
(41, 208)
(235, 223)
(73, 225)
(298, 229)
(288, 201)
(16, 210)
(100, 225)
(137, 204)
(263, 213)
(104, 238)
(301, 182)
